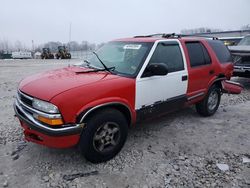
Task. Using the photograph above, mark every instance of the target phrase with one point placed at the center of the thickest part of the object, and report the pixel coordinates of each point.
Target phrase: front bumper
(231, 87)
(60, 137)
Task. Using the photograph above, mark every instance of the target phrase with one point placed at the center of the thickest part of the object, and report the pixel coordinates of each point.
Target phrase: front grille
(241, 60)
(25, 99)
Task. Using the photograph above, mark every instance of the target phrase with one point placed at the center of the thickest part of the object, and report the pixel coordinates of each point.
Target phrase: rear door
(162, 93)
(201, 69)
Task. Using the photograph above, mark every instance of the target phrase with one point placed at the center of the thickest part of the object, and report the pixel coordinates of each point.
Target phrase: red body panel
(51, 141)
(88, 90)
(202, 77)
(231, 87)
(120, 90)
(49, 84)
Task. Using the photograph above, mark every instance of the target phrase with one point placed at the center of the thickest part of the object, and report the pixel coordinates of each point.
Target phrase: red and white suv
(93, 104)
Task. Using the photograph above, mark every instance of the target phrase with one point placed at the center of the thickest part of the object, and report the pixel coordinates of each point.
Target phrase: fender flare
(87, 109)
(218, 80)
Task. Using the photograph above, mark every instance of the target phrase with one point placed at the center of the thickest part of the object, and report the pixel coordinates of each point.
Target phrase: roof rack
(174, 35)
(200, 35)
(163, 35)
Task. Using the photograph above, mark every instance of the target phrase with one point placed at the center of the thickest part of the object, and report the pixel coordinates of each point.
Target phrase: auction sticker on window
(132, 46)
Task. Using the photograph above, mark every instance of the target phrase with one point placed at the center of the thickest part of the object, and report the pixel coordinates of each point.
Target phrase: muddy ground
(181, 149)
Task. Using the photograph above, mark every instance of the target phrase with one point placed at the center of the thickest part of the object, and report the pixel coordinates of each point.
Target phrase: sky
(103, 20)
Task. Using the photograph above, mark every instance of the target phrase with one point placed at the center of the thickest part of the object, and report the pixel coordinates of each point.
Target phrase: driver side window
(170, 54)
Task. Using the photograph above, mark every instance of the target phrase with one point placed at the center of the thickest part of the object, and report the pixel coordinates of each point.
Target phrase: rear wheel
(104, 135)
(209, 105)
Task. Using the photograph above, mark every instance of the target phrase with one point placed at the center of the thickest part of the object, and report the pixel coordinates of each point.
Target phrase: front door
(162, 93)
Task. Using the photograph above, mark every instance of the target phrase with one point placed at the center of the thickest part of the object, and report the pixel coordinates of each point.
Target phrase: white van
(21, 55)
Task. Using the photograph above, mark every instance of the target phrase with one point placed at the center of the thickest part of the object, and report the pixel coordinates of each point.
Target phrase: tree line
(7, 46)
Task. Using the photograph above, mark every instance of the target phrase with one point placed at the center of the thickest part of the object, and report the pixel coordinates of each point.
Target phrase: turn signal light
(50, 121)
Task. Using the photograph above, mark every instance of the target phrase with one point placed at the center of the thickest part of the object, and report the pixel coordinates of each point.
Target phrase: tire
(209, 105)
(104, 136)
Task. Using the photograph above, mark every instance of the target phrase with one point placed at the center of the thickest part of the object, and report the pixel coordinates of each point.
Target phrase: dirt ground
(181, 149)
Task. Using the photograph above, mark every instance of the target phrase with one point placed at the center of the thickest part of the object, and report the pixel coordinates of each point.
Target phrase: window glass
(125, 57)
(206, 55)
(245, 41)
(221, 51)
(198, 54)
(170, 54)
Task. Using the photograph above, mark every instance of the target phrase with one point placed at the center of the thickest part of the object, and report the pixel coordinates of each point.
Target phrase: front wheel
(209, 105)
(104, 135)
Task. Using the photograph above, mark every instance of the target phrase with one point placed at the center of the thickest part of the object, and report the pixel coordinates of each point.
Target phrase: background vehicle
(5, 55)
(21, 55)
(230, 41)
(241, 57)
(127, 80)
(46, 54)
(63, 53)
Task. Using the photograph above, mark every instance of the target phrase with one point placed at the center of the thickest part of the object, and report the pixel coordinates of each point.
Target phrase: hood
(49, 84)
(240, 48)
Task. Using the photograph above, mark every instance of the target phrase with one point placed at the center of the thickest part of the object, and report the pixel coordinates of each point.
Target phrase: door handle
(211, 72)
(184, 77)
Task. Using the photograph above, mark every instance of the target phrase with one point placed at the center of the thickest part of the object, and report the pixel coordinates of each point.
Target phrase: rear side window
(198, 54)
(220, 50)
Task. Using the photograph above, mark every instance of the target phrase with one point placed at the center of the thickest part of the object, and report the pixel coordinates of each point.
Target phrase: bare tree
(5, 45)
(199, 30)
(18, 46)
(245, 27)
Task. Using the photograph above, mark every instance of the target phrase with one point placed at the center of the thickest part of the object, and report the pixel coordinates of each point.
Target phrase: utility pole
(32, 52)
(33, 45)
(69, 34)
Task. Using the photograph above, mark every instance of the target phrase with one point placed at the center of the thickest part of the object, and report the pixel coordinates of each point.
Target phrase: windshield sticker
(132, 46)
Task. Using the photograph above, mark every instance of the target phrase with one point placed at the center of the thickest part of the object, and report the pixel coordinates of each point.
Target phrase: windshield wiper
(105, 67)
(96, 70)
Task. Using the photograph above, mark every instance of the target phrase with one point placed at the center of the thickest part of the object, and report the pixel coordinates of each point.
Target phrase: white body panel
(160, 88)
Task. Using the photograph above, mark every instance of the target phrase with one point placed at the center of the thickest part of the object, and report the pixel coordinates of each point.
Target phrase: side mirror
(157, 69)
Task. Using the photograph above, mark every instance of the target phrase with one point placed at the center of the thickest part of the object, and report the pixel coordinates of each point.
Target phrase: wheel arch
(217, 81)
(124, 109)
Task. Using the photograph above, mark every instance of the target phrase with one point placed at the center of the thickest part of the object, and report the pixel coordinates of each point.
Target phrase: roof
(139, 39)
(153, 39)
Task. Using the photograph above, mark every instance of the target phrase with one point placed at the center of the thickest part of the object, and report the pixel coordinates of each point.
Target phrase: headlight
(44, 106)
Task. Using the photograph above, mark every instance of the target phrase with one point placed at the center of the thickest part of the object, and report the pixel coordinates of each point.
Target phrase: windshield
(245, 41)
(125, 57)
